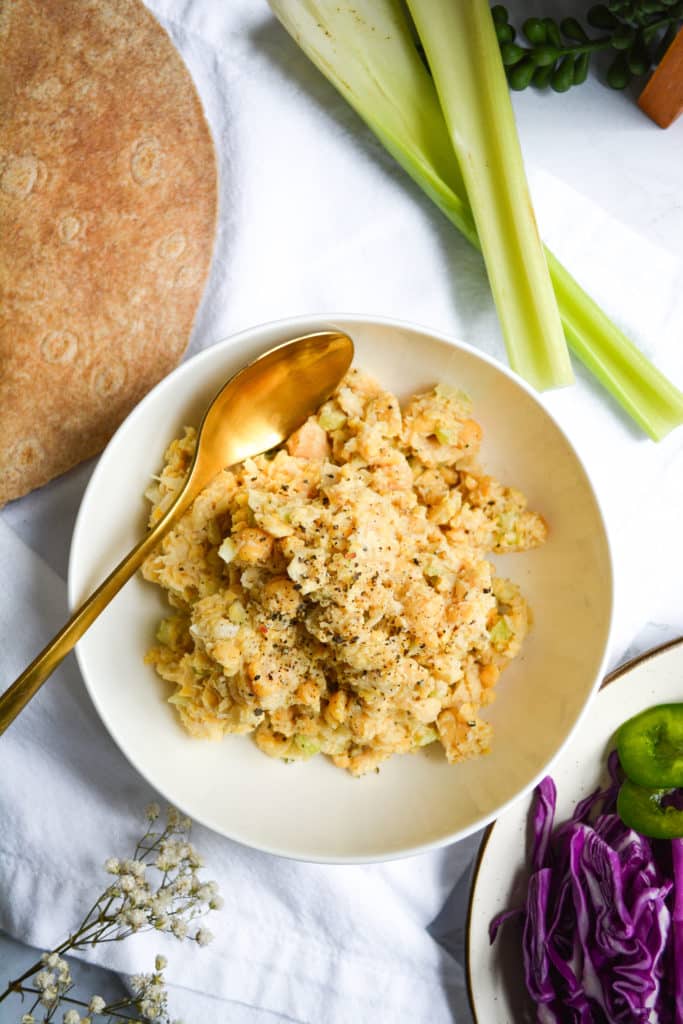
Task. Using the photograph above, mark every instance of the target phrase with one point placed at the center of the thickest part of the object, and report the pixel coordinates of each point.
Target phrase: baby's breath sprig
(158, 888)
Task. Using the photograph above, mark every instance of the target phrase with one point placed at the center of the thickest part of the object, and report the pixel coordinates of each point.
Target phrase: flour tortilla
(108, 198)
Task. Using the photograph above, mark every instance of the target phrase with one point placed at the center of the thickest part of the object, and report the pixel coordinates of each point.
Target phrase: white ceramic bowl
(314, 811)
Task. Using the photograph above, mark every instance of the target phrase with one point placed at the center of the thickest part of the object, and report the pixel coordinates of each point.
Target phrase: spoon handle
(17, 696)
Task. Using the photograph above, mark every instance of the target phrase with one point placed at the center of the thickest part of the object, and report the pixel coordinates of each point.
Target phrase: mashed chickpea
(335, 596)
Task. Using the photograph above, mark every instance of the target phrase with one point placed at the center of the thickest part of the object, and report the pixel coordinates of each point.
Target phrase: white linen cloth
(314, 218)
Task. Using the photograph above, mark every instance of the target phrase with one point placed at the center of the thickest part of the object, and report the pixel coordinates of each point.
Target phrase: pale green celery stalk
(367, 52)
(464, 57)
(640, 388)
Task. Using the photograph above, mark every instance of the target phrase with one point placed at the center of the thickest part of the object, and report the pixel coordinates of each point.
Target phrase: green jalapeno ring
(640, 808)
(650, 747)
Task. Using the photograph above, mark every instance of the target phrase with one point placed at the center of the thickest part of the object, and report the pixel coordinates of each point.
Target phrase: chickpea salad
(335, 596)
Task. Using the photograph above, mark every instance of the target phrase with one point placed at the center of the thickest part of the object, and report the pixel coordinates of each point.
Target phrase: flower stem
(15, 986)
(111, 1011)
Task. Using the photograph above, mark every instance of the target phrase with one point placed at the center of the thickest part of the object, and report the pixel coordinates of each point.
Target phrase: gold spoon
(257, 409)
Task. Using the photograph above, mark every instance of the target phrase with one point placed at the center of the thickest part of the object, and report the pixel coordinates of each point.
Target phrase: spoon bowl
(258, 408)
(266, 401)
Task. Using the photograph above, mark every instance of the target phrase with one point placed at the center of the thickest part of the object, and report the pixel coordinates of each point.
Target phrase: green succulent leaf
(512, 54)
(572, 29)
(544, 55)
(541, 76)
(521, 74)
(600, 16)
(581, 68)
(535, 30)
(553, 31)
(618, 73)
(563, 76)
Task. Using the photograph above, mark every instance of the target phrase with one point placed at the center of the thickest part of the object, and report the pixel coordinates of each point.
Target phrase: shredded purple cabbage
(599, 924)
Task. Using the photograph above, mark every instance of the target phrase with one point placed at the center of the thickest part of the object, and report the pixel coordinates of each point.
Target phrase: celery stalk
(640, 388)
(464, 57)
(367, 52)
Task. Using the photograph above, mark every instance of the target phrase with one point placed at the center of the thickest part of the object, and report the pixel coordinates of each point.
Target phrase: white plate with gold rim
(312, 810)
(495, 977)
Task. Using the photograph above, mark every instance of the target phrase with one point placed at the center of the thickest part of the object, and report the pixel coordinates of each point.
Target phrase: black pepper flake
(256, 678)
(259, 712)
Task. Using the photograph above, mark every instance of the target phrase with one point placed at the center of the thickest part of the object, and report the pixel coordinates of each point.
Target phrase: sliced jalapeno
(648, 811)
(650, 747)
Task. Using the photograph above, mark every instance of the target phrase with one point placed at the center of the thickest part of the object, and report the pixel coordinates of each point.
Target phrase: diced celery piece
(168, 632)
(306, 745)
(237, 613)
(331, 419)
(425, 736)
(500, 633)
(454, 395)
(445, 435)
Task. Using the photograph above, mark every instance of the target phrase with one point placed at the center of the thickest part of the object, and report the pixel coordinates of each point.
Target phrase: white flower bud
(63, 974)
(152, 811)
(160, 962)
(136, 868)
(49, 996)
(72, 1017)
(149, 1009)
(96, 1004)
(112, 865)
(44, 979)
(182, 886)
(136, 919)
(204, 937)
